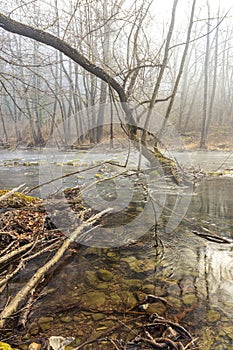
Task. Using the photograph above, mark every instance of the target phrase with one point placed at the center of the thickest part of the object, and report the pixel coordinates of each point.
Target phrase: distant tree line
(121, 52)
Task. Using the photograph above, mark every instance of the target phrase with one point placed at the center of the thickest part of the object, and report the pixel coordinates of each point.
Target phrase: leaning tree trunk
(41, 36)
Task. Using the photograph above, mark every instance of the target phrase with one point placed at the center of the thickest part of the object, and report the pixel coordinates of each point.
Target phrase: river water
(193, 274)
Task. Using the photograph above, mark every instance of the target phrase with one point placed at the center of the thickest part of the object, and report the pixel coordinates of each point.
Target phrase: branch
(26, 289)
(46, 38)
(15, 252)
(202, 36)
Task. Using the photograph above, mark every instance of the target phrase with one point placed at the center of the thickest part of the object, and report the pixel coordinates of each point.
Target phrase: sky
(163, 8)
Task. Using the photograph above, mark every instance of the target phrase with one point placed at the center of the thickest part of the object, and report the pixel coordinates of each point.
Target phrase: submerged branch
(27, 288)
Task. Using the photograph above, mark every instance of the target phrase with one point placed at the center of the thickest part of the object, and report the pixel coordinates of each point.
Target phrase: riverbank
(29, 242)
(94, 290)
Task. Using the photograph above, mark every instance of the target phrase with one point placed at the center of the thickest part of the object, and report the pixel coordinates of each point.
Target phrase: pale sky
(163, 8)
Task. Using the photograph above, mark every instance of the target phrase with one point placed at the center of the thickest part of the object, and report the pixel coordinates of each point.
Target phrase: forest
(116, 172)
(176, 63)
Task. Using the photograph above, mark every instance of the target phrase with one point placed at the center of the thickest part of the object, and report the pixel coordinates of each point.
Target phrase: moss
(105, 275)
(5, 346)
(17, 200)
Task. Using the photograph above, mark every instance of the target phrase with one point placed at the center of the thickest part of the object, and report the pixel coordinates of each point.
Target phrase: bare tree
(206, 83)
(90, 65)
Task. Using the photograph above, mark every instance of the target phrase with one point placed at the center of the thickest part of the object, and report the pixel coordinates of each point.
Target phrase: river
(195, 275)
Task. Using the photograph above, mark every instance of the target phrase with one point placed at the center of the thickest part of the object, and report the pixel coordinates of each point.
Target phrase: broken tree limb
(26, 290)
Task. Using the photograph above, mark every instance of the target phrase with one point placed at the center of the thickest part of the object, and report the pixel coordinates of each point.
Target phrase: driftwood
(28, 287)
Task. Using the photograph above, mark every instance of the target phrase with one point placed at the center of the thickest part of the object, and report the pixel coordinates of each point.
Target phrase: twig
(49, 248)
(8, 247)
(160, 343)
(192, 342)
(103, 335)
(181, 330)
(26, 289)
(5, 280)
(15, 252)
(112, 342)
(25, 312)
(75, 173)
(212, 237)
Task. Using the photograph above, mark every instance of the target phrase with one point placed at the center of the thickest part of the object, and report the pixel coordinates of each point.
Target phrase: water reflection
(216, 277)
(193, 274)
(216, 198)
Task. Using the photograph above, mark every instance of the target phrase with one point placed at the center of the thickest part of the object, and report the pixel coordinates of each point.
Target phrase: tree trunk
(206, 85)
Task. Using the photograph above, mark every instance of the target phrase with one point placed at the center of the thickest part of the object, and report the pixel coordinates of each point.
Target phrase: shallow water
(194, 275)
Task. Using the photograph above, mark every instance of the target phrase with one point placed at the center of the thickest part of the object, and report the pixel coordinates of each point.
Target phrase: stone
(174, 301)
(105, 275)
(34, 346)
(189, 299)
(34, 329)
(157, 308)
(141, 265)
(45, 320)
(116, 298)
(133, 283)
(212, 316)
(95, 299)
(91, 278)
(66, 319)
(102, 286)
(98, 316)
(45, 323)
(148, 289)
(80, 333)
(112, 256)
(128, 299)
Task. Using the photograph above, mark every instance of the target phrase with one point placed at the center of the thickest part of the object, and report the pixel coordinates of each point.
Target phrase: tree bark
(206, 84)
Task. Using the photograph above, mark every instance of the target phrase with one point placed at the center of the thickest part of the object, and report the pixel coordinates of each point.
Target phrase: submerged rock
(141, 265)
(91, 299)
(34, 346)
(34, 329)
(45, 323)
(98, 316)
(66, 319)
(157, 308)
(189, 299)
(128, 299)
(105, 275)
(91, 278)
(213, 316)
